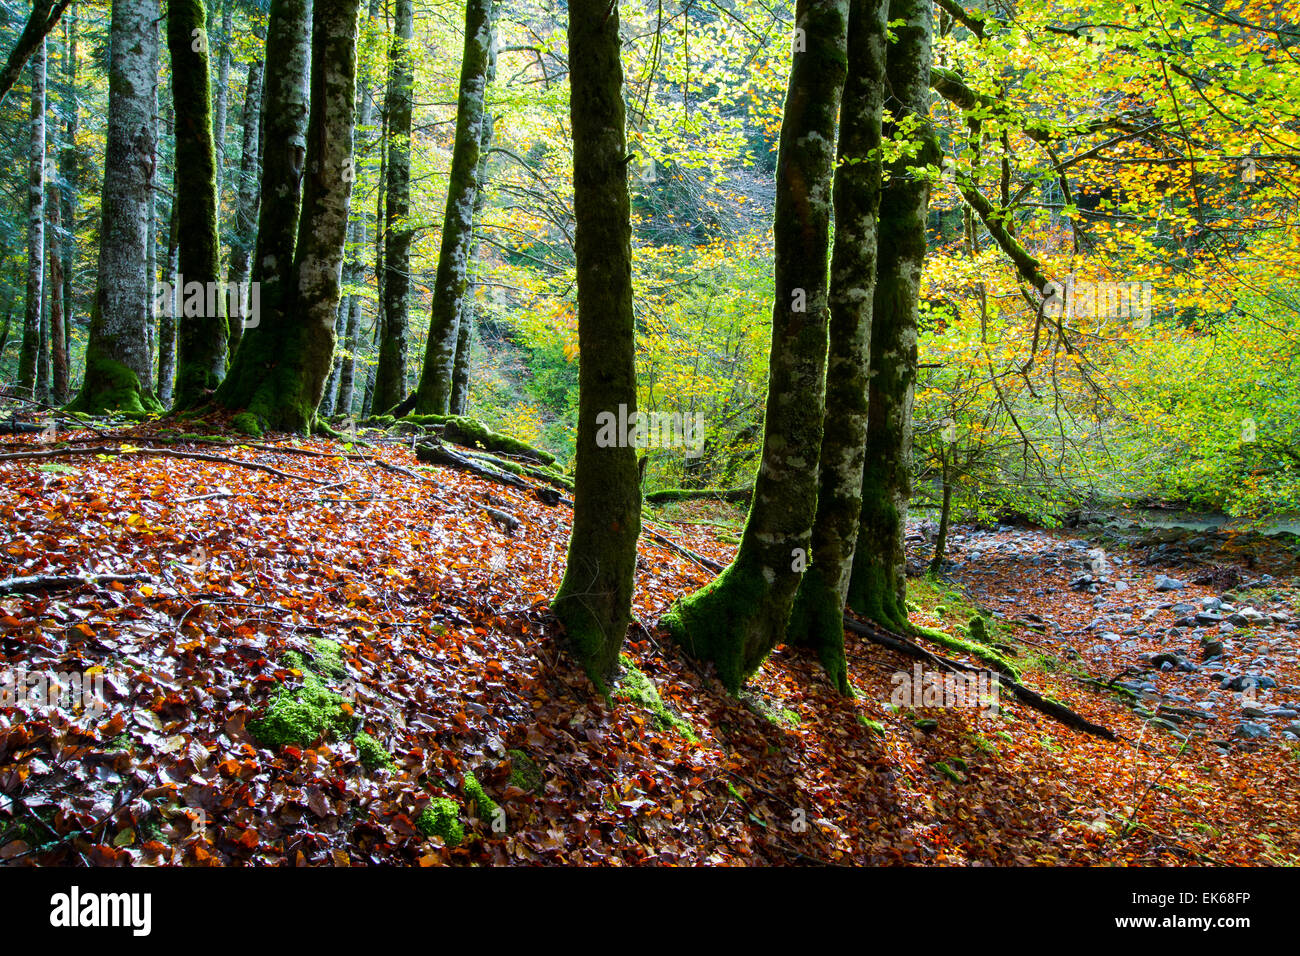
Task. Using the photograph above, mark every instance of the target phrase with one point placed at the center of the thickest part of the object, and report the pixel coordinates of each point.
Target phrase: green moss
(977, 630)
(472, 433)
(524, 772)
(949, 772)
(246, 423)
(477, 801)
(372, 753)
(303, 715)
(875, 726)
(110, 386)
(639, 689)
(441, 818)
(986, 654)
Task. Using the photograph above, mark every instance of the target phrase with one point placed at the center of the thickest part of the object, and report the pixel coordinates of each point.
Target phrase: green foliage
(441, 818)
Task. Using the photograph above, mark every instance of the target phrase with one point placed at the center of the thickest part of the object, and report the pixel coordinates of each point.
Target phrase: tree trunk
(167, 318)
(818, 617)
(738, 618)
(58, 322)
(594, 600)
(298, 354)
(355, 270)
(465, 320)
(452, 281)
(118, 371)
(30, 357)
(221, 103)
(69, 171)
(945, 516)
(878, 586)
(201, 347)
(390, 374)
(284, 127)
(245, 232)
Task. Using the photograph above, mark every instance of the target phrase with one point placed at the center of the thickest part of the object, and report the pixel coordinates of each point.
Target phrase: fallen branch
(54, 582)
(902, 645)
(439, 454)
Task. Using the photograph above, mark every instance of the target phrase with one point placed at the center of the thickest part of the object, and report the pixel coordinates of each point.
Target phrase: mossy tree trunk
(460, 371)
(878, 585)
(221, 101)
(287, 399)
(452, 281)
(118, 370)
(594, 601)
(58, 318)
(247, 194)
(262, 345)
(737, 619)
(945, 516)
(818, 617)
(390, 372)
(69, 174)
(30, 356)
(201, 341)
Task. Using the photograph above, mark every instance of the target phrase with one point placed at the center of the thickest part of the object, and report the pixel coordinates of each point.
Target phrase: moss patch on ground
(441, 818)
(639, 689)
(525, 773)
(303, 715)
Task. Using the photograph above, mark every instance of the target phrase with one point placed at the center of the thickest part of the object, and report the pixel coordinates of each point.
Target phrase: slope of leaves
(449, 662)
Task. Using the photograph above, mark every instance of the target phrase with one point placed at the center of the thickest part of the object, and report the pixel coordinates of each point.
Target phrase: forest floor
(388, 596)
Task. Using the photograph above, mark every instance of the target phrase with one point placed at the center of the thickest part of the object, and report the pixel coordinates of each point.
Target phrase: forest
(650, 432)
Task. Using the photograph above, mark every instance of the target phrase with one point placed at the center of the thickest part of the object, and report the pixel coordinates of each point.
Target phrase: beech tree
(31, 345)
(818, 617)
(201, 349)
(738, 618)
(594, 600)
(119, 372)
(878, 585)
(452, 282)
(390, 373)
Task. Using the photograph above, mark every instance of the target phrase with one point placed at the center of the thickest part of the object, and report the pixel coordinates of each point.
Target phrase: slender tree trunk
(151, 240)
(390, 374)
(221, 103)
(594, 601)
(69, 170)
(201, 348)
(284, 128)
(246, 203)
(945, 515)
(355, 269)
(452, 281)
(298, 360)
(58, 322)
(167, 316)
(737, 619)
(118, 371)
(30, 358)
(818, 617)
(878, 586)
(467, 312)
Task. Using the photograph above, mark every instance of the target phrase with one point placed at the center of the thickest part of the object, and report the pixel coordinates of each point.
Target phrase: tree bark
(58, 321)
(818, 617)
(167, 320)
(390, 373)
(221, 103)
(594, 600)
(465, 321)
(69, 171)
(878, 586)
(283, 150)
(298, 358)
(738, 618)
(30, 357)
(201, 341)
(246, 203)
(118, 370)
(452, 281)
